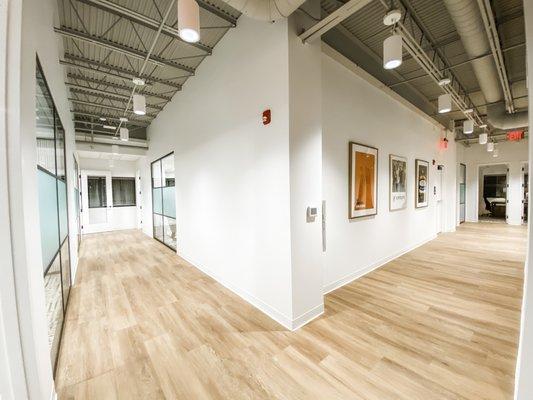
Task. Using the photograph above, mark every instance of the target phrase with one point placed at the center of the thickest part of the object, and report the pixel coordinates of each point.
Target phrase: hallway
(440, 322)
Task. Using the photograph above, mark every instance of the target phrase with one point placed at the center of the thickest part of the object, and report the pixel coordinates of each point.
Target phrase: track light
(189, 20)
(490, 146)
(445, 103)
(468, 126)
(103, 119)
(445, 81)
(124, 134)
(483, 137)
(392, 52)
(139, 104)
(110, 127)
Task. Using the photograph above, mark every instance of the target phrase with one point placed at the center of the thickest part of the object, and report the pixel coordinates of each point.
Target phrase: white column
(305, 149)
(524, 369)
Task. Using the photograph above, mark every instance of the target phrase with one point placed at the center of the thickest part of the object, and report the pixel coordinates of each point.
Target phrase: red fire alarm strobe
(443, 144)
(266, 117)
(515, 136)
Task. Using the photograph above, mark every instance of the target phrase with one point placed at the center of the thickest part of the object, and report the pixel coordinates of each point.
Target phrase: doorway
(493, 184)
(462, 193)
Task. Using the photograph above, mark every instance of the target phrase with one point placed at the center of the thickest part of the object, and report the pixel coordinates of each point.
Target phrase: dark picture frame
(397, 182)
(362, 180)
(421, 183)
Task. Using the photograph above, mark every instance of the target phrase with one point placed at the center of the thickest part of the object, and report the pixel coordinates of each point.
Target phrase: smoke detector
(392, 17)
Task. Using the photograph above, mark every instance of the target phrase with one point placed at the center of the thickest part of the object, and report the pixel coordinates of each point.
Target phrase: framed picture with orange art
(363, 180)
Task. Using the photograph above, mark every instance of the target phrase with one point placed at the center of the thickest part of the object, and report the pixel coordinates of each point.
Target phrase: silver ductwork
(499, 119)
(266, 10)
(468, 21)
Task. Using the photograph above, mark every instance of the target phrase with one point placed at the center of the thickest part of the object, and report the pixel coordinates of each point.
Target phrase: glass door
(164, 201)
(98, 195)
(53, 214)
(462, 193)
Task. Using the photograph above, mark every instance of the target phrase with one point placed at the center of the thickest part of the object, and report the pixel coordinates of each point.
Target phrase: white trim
(254, 301)
(307, 317)
(361, 272)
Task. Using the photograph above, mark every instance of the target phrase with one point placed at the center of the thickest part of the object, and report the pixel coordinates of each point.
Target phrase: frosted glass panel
(169, 201)
(48, 216)
(158, 201)
(63, 219)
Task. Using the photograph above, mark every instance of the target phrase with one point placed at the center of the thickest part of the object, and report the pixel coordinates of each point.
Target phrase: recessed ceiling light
(123, 119)
(445, 81)
(108, 127)
(139, 81)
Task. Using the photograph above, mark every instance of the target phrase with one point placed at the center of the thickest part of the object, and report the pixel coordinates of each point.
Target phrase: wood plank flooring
(441, 322)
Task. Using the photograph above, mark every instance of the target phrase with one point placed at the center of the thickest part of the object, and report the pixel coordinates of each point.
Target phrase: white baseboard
(307, 317)
(363, 271)
(254, 301)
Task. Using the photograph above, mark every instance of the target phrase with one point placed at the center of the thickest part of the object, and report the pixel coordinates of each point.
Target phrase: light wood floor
(438, 323)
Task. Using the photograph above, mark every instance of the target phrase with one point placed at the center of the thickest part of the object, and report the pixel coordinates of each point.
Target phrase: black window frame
(100, 179)
(124, 178)
(162, 215)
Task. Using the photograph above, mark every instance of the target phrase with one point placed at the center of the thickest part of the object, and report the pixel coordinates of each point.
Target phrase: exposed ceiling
(360, 38)
(105, 44)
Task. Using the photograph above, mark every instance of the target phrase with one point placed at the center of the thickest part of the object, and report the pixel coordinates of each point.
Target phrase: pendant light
(468, 126)
(483, 137)
(490, 146)
(189, 20)
(392, 52)
(139, 104)
(445, 103)
(124, 134)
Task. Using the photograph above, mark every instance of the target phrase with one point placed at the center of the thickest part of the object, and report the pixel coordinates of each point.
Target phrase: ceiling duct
(468, 21)
(499, 119)
(266, 10)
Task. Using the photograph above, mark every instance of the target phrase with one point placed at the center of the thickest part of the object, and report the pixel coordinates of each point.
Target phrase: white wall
(355, 110)
(514, 154)
(232, 172)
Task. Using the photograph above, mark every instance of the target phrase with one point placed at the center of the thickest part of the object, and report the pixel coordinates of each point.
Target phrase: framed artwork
(398, 182)
(363, 180)
(422, 183)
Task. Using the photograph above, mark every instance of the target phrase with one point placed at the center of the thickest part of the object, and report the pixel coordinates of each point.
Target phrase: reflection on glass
(158, 227)
(48, 216)
(62, 201)
(96, 190)
(44, 125)
(65, 270)
(123, 191)
(167, 170)
(60, 147)
(170, 232)
(157, 200)
(156, 174)
(54, 306)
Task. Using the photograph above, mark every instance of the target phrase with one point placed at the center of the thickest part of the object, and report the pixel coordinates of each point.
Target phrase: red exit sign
(515, 136)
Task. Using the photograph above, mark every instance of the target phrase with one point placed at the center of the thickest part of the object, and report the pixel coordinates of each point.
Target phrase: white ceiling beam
(333, 19)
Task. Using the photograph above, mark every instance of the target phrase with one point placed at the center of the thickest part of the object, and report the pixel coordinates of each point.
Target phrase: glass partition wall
(52, 188)
(164, 201)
